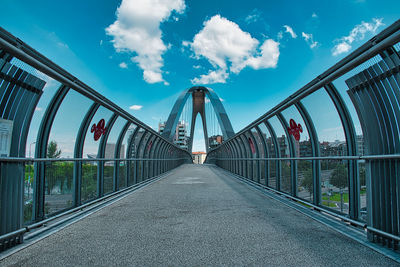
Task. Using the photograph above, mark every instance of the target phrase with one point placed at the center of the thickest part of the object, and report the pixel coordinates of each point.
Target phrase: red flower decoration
(295, 129)
(98, 129)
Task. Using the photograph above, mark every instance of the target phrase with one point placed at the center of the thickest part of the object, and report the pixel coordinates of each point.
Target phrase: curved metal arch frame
(312, 133)
(293, 163)
(233, 156)
(128, 156)
(152, 153)
(277, 153)
(101, 152)
(238, 164)
(42, 140)
(146, 154)
(266, 153)
(258, 154)
(117, 155)
(246, 153)
(240, 155)
(351, 141)
(249, 155)
(139, 156)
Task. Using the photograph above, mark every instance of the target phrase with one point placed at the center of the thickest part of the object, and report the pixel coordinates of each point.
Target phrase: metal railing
(356, 186)
(33, 189)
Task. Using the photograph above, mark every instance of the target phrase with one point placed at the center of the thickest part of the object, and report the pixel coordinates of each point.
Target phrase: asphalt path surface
(197, 215)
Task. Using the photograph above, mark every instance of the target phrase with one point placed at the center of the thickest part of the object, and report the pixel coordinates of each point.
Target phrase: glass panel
(327, 123)
(89, 181)
(271, 154)
(127, 138)
(284, 150)
(305, 180)
(108, 177)
(48, 92)
(123, 164)
(303, 149)
(341, 86)
(66, 124)
(251, 164)
(334, 183)
(261, 154)
(28, 192)
(363, 190)
(122, 174)
(112, 139)
(92, 139)
(110, 153)
(58, 186)
(244, 156)
(141, 151)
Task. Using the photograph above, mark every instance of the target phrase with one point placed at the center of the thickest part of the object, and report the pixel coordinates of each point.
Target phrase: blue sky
(142, 54)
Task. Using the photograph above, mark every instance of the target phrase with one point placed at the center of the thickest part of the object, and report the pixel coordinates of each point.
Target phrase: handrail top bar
(360, 157)
(29, 55)
(15, 159)
(386, 38)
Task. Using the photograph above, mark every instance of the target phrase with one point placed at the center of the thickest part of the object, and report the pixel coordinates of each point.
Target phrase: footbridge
(278, 192)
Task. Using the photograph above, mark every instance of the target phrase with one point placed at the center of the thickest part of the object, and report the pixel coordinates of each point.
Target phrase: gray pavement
(197, 216)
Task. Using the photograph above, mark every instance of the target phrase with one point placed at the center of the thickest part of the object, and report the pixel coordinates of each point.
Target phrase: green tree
(52, 150)
(339, 176)
(51, 167)
(307, 181)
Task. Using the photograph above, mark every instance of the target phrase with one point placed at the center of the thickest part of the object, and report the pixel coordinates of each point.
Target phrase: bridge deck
(197, 216)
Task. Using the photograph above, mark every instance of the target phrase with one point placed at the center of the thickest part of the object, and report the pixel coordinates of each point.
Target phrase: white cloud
(229, 49)
(314, 15)
(137, 30)
(268, 57)
(254, 16)
(197, 67)
(136, 107)
(308, 37)
(356, 34)
(213, 76)
(290, 31)
(341, 48)
(101, 42)
(123, 65)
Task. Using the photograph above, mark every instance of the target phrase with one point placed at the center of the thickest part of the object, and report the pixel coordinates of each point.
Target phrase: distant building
(215, 140)
(283, 146)
(199, 157)
(181, 137)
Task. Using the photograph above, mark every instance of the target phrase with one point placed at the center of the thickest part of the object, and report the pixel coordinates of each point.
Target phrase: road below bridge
(197, 215)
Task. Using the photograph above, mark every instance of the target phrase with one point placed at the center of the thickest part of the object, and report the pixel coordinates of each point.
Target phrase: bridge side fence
(333, 145)
(81, 146)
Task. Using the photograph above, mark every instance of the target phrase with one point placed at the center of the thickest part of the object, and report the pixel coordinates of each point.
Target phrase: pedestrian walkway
(197, 215)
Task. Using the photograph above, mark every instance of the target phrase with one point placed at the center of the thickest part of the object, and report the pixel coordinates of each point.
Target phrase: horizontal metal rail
(369, 157)
(13, 159)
